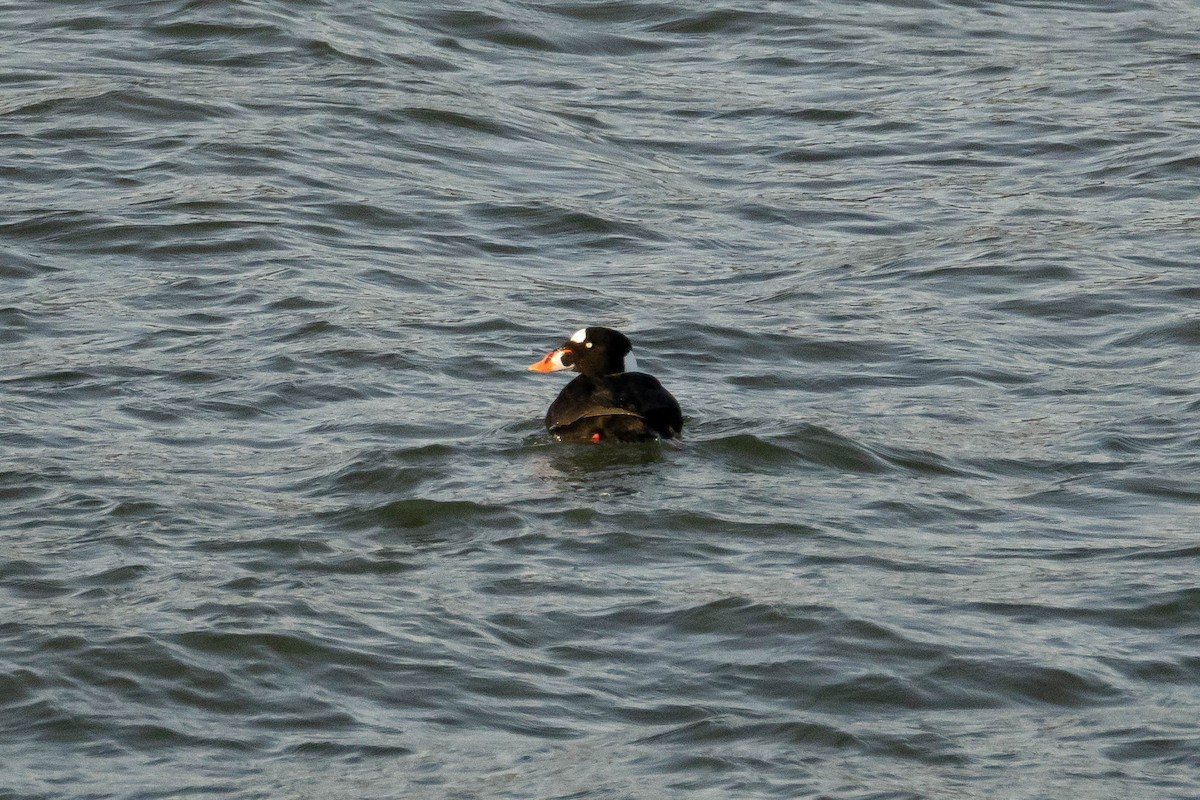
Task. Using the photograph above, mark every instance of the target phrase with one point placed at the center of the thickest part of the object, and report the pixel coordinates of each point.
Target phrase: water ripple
(282, 520)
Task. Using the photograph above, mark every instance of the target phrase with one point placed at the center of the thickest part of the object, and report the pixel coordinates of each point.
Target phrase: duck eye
(587, 344)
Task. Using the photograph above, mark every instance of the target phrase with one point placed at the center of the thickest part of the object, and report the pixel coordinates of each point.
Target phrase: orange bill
(551, 363)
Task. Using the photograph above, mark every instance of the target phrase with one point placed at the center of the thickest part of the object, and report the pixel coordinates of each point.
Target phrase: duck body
(606, 403)
(627, 407)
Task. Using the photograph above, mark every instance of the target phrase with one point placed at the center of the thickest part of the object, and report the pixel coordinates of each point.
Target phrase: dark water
(278, 516)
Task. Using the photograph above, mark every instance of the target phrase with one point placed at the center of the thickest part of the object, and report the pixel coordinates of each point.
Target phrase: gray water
(278, 517)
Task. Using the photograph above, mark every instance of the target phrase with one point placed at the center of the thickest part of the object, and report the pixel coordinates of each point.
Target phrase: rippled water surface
(278, 518)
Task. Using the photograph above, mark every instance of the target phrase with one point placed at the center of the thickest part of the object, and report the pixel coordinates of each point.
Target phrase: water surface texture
(278, 518)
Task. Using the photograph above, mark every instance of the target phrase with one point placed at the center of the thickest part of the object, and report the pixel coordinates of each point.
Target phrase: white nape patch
(578, 336)
(630, 362)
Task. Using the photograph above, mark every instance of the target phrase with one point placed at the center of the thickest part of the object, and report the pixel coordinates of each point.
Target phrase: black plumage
(605, 402)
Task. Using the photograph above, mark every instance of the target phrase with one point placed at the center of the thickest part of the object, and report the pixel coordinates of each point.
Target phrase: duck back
(627, 407)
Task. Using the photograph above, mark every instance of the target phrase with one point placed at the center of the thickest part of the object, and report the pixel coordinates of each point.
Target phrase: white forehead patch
(578, 336)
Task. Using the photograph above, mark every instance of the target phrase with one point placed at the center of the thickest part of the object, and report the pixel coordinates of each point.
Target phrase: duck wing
(626, 394)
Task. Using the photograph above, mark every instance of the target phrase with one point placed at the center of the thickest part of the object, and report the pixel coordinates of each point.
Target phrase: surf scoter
(604, 401)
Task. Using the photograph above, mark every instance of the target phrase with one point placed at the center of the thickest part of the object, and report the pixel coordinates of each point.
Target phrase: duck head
(590, 351)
